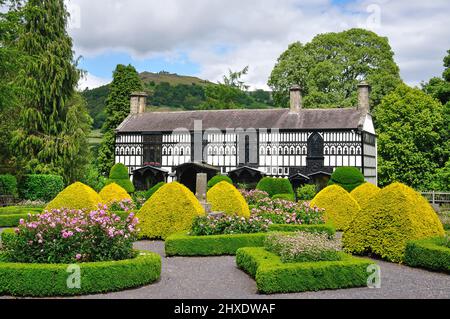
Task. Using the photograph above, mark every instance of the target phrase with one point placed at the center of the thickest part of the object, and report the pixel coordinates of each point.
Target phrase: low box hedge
(428, 253)
(45, 280)
(11, 215)
(274, 276)
(182, 244)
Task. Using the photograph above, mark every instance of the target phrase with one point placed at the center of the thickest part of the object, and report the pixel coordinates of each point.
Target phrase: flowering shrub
(303, 247)
(124, 205)
(254, 196)
(286, 212)
(67, 236)
(222, 224)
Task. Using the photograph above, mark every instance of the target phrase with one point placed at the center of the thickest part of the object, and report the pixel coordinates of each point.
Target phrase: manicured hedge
(274, 276)
(224, 197)
(40, 187)
(44, 280)
(8, 185)
(274, 186)
(347, 177)
(182, 244)
(76, 196)
(113, 193)
(119, 175)
(11, 215)
(153, 190)
(428, 253)
(217, 179)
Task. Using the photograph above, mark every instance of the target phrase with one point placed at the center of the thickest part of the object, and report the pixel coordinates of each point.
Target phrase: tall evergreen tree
(48, 134)
(125, 81)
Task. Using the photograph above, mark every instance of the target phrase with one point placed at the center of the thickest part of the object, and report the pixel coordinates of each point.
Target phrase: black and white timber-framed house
(304, 145)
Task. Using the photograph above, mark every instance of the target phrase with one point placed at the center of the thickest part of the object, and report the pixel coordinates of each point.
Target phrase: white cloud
(258, 31)
(91, 81)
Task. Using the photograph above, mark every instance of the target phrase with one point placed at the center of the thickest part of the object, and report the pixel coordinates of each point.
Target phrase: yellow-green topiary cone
(225, 198)
(394, 216)
(364, 193)
(76, 196)
(171, 209)
(340, 207)
(113, 193)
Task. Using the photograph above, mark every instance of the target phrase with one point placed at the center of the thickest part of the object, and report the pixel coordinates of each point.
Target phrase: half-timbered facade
(276, 142)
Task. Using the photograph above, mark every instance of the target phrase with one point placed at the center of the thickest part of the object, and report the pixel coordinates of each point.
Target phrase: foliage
(170, 210)
(254, 196)
(288, 197)
(125, 205)
(306, 192)
(224, 197)
(233, 79)
(280, 211)
(221, 96)
(394, 216)
(364, 193)
(71, 236)
(178, 96)
(330, 67)
(411, 143)
(303, 247)
(93, 178)
(217, 179)
(347, 177)
(312, 228)
(274, 186)
(153, 190)
(274, 276)
(340, 207)
(219, 225)
(40, 187)
(125, 81)
(95, 100)
(45, 280)
(76, 196)
(113, 193)
(10, 216)
(429, 253)
(119, 175)
(8, 185)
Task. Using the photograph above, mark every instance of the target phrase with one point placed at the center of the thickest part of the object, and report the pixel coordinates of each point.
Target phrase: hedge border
(12, 220)
(273, 276)
(50, 280)
(182, 244)
(428, 253)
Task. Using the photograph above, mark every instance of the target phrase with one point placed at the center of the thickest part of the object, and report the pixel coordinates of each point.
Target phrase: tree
(330, 67)
(234, 79)
(125, 81)
(411, 145)
(52, 125)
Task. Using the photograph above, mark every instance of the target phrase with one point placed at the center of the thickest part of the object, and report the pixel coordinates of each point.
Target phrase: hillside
(173, 79)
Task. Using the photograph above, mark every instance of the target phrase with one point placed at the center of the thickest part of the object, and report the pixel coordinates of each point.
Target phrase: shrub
(153, 190)
(274, 186)
(41, 187)
(217, 179)
(10, 216)
(218, 225)
(254, 196)
(76, 196)
(113, 193)
(170, 210)
(280, 211)
(430, 253)
(395, 215)
(319, 228)
(70, 236)
(306, 192)
(340, 207)
(302, 246)
(225, 198)
(364, 193)
(288, 197)
(8, 185)
(125, 205)
(119, 175)
(347, 177)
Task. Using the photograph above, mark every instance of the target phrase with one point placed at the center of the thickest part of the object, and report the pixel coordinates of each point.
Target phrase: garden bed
(273, 276)
(183, 244)
(428, 253)
(11, 215)
(45, 280)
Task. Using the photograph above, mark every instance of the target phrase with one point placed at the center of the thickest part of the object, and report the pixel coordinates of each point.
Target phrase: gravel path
(219, 278)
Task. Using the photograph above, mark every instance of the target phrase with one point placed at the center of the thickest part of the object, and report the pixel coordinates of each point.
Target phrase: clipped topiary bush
(217, 179)
(41, 187)
(364, 193)
(76, 196)
(340, 207)
(274, 186)
(224, 197)
(347, 177)
(119, 175)
(170, 210)
(307, 192)
(395, 215)
(8, 185)
(153, 190)
(113, 193)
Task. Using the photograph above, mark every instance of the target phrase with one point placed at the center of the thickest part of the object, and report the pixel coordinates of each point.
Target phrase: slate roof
(342, 118)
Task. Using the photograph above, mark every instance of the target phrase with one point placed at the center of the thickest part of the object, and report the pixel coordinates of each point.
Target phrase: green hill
(173, 79)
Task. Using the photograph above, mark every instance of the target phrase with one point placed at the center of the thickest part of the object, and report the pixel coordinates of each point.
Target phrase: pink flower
(78, 256)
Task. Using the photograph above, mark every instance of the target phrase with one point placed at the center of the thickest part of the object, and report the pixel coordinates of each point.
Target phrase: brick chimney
(296, 99)
(363, 96)
(138, 102)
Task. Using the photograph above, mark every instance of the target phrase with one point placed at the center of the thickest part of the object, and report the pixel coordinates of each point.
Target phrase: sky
(206, 38)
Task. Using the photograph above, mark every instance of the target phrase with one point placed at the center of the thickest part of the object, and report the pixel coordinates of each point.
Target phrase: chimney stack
(138, 102)
(363, 96)
(296, 99)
